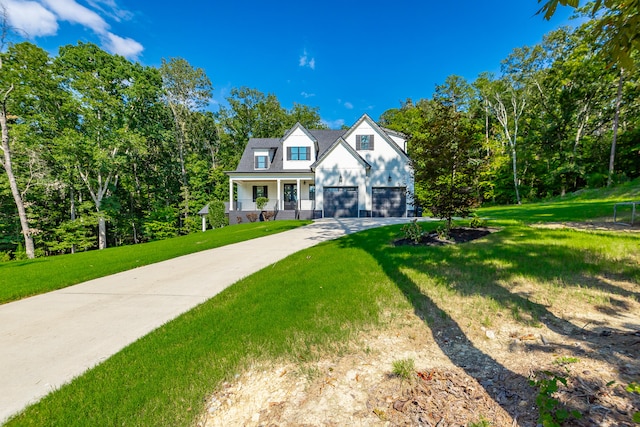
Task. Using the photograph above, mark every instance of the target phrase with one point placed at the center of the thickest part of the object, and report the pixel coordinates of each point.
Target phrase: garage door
(340, 202)
(389, 202)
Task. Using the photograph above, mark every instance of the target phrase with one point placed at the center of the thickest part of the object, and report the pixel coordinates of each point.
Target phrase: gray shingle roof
(325, 139)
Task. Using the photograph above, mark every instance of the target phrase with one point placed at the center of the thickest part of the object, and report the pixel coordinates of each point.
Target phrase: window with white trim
(261, 162)
(364, 142)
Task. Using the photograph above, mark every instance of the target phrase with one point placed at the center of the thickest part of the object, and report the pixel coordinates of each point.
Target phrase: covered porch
(289, 197)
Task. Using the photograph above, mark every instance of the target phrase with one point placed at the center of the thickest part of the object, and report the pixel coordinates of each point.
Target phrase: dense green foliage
(216, 215)
(558, 118)
(23, 278)
(107, 152)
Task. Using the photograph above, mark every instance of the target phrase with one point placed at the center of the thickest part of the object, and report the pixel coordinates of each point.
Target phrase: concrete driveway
(47, 340)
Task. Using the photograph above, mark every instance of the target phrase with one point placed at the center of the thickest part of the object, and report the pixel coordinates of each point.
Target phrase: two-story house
(362, 171)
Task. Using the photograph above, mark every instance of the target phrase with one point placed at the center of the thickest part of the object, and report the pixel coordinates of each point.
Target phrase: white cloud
(69, 10)
(31, 18)
(334, 124)
(348, 105)
(307, 95)
(40, 18)
(304, 61)
(126, 47)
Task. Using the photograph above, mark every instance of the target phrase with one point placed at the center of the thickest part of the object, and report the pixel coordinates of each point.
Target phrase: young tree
(445, 153)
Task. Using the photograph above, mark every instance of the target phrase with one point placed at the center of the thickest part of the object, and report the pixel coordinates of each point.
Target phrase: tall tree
(99, 143)
(187, 90)
(26, 85)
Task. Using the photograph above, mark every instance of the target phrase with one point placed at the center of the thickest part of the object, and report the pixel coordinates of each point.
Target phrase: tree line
(100, 151)
(560, 116)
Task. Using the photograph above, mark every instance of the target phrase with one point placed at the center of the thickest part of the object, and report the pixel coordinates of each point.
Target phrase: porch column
(280, 206)
(299, 190)
(230, 194)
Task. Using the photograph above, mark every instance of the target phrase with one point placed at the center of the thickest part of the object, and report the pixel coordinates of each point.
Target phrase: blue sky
(346, 57)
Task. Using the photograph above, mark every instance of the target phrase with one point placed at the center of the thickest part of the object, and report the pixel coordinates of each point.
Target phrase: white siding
(298, 138)
(341, 163)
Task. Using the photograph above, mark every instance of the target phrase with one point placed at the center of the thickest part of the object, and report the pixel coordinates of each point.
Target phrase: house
(362, 171)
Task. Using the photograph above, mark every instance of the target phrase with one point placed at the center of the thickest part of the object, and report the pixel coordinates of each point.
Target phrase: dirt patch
(359, 389)
(593, 226)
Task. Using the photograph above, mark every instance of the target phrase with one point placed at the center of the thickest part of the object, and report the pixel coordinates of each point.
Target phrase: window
(259, 191)
(261, 162)
(298, 153)
(312, 192)
(364, 142)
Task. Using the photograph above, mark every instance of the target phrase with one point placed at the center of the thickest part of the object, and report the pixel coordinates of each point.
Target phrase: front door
(290, 197)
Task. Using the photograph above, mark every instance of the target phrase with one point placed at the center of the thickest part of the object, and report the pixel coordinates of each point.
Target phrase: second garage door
(389, 202)
(341, 202)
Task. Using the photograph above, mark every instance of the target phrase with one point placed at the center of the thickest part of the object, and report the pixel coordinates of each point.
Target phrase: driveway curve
(49, 339)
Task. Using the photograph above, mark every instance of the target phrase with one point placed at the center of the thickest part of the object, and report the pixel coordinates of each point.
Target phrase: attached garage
(340, 202)
(389, 202)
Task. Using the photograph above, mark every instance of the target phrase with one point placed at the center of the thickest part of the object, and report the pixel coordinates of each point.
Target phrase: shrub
(216, 216)
(412, 231)
(252, 217)
(261, 202)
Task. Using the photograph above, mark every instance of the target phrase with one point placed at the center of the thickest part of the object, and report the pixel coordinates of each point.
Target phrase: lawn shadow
(481, 269)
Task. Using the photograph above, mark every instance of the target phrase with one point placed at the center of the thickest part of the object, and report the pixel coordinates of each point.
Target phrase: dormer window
(298, 153)
(261, 162)
(364, 142)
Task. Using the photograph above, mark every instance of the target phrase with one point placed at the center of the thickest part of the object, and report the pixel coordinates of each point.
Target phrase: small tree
(444, 155)
(216, 216)
(261, 202)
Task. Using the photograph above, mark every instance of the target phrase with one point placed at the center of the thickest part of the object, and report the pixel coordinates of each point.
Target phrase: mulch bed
(456, 235)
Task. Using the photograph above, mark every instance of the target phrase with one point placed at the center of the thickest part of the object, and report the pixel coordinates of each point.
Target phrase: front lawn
(315, 303)
(20, 279)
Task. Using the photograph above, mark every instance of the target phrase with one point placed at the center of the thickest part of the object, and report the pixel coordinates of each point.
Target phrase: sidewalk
(47, 340)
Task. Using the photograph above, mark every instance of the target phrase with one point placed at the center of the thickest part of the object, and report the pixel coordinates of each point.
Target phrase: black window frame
(312, 192)
(368, 145)
(257, 162)
(264, 190)
(297, 152)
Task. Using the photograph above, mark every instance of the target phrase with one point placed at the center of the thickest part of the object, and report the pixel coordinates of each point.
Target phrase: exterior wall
(340, 163)
(298, 138)
(245, 195)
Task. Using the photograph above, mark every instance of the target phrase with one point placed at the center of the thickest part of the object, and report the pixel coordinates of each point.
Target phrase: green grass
(20, 279)
(316, 301)
(596, 204)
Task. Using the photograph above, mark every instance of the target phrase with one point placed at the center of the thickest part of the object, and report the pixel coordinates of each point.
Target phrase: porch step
(281, 215)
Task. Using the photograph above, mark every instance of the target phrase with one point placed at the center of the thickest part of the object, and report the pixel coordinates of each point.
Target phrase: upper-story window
(261, 162)
(364, 142)
(298, 153)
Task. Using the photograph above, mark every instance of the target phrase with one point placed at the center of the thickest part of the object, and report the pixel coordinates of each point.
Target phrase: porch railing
(273, 205)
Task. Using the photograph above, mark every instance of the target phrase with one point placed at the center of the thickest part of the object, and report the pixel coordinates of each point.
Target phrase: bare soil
(465, 373)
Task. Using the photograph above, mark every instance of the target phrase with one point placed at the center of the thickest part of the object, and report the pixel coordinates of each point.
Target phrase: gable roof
(341, 141)
(384, 133)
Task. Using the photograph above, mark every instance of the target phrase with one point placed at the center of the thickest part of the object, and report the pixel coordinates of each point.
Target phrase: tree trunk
(17, 197)
(616, 119)
(102, 233)
(515, 173)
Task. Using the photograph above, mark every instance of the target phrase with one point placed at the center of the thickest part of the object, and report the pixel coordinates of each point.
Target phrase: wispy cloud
(333, 124)
(307, 95)
(31, 18)
(348, 105)
(305, 61)
(40, 18)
